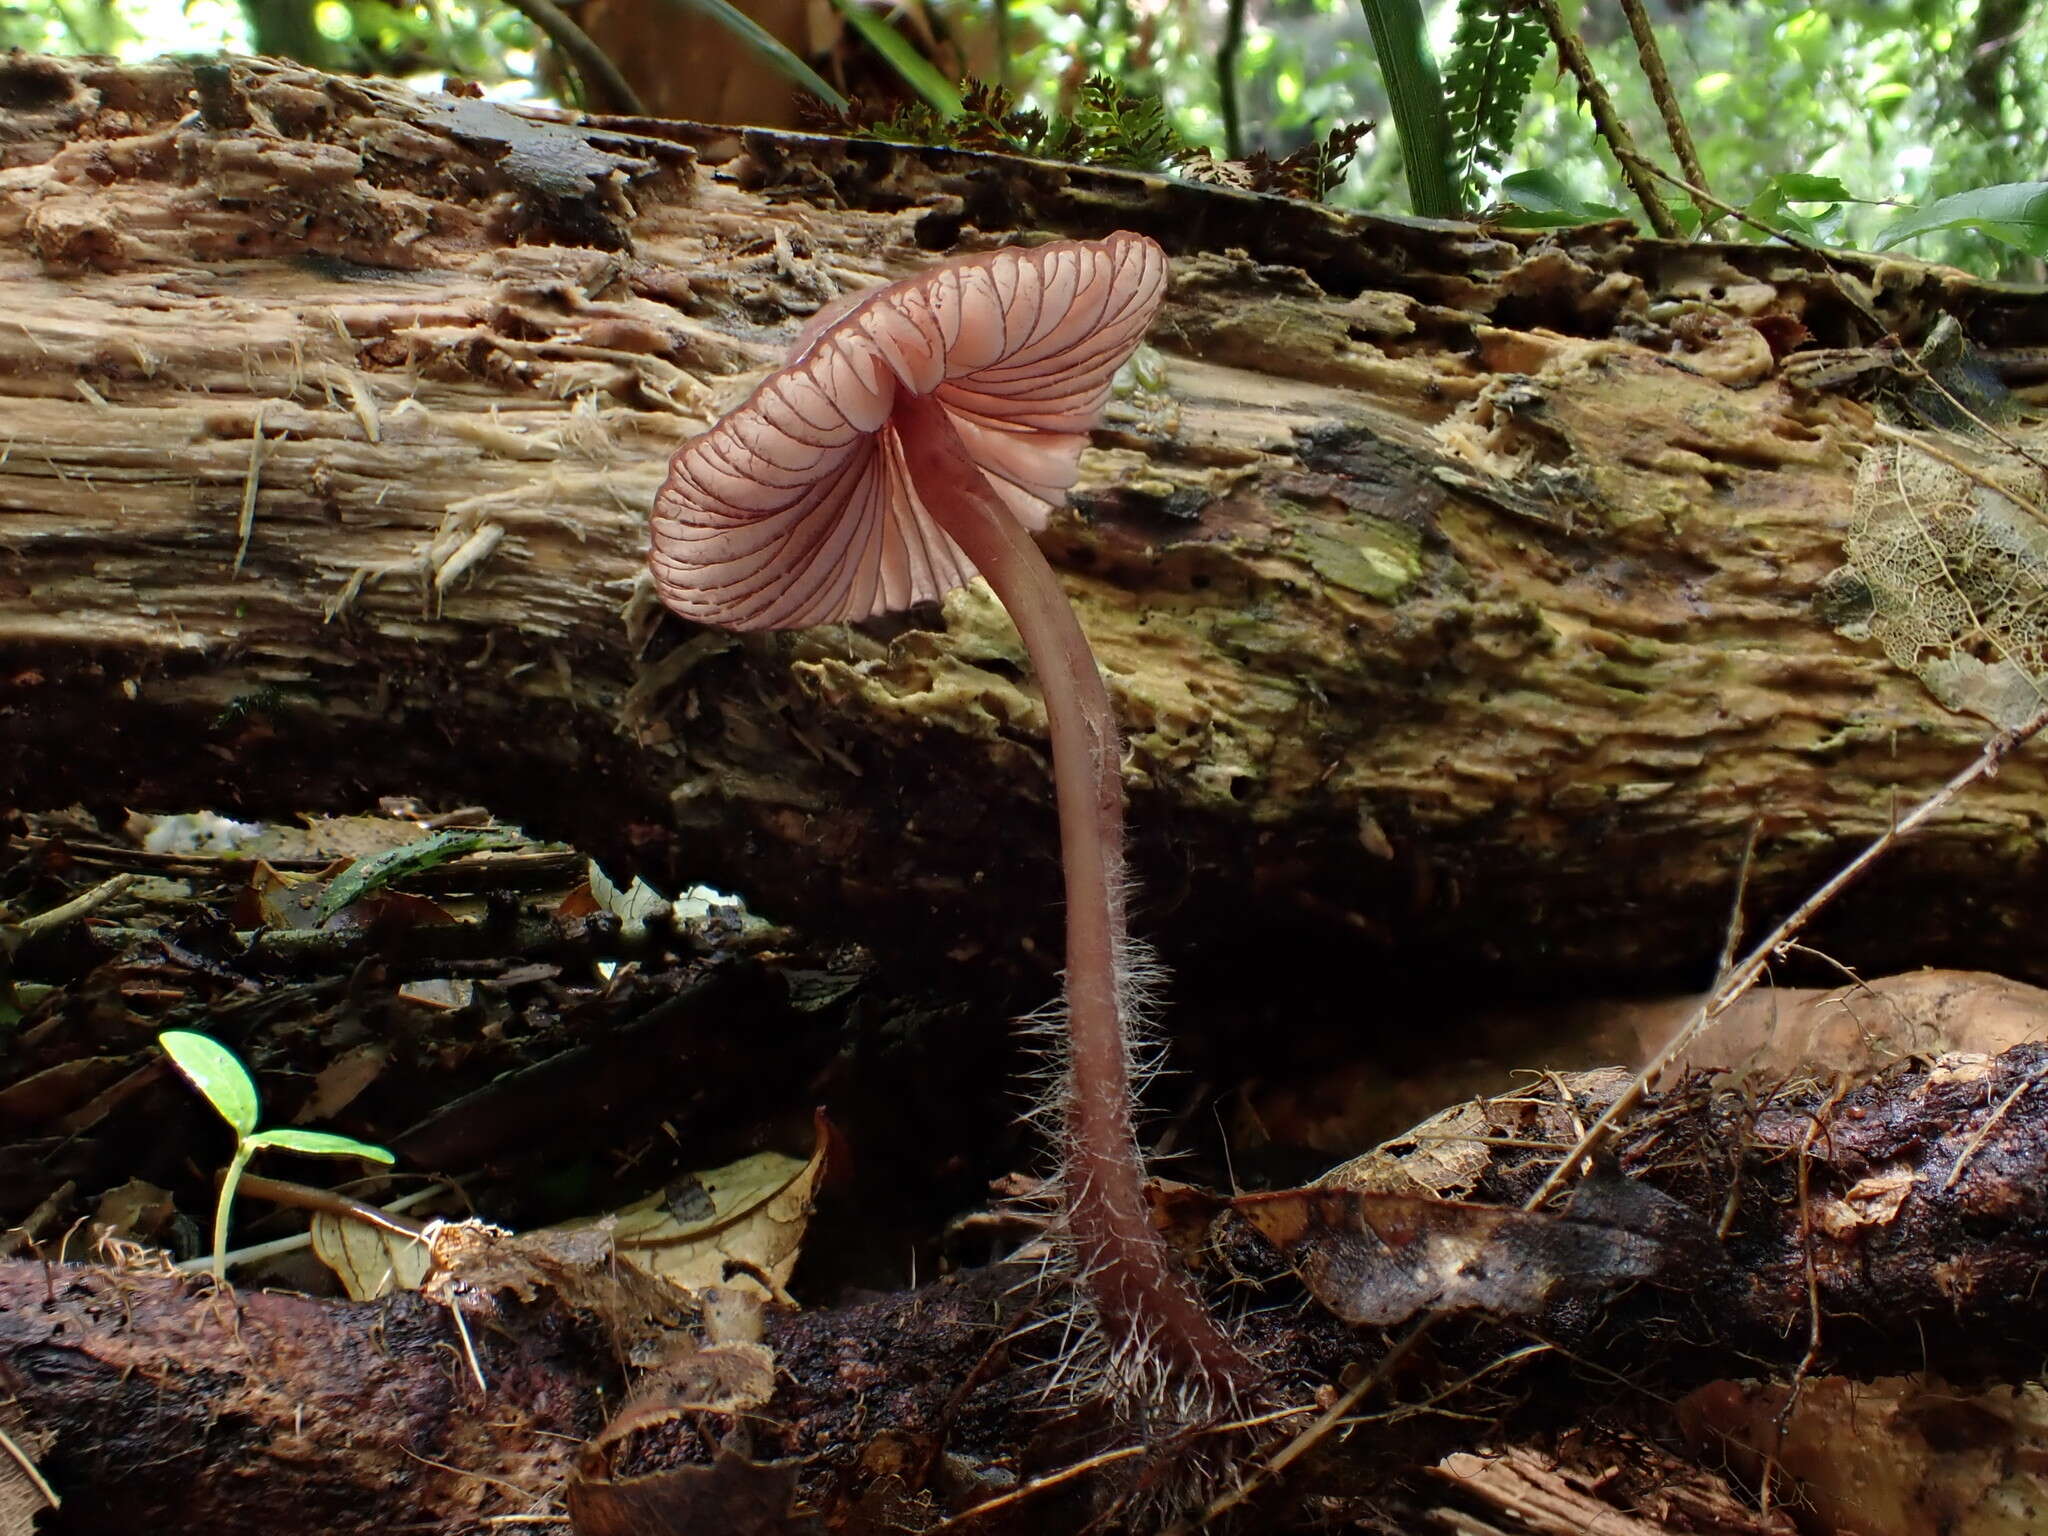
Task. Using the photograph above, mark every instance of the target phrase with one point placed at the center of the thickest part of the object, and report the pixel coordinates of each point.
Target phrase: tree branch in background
(1651, 57)
(1572, 52)
(600, 76)
(1226, 79)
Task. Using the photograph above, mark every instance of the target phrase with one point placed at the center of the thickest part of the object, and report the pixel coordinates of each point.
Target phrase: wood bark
(1891, 1227)
(1456, 585)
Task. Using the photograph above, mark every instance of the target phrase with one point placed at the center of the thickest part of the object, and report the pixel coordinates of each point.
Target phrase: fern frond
(1494, 56)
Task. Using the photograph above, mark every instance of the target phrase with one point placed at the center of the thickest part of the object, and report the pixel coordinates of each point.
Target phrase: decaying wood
(1457, 587)
(1878, 1228)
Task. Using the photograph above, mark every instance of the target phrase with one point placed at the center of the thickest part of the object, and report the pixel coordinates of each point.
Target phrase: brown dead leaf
(739, 1225)
(138, 1211)
(1374, 1258)
(276, 898)
(474, 1262)
(341, 1080)
(369, 1261)
(1872, 1201)
(44, 1096)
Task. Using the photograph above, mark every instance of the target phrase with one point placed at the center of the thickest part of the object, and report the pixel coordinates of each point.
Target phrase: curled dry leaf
(740, 1225)
(369, 1261)
(474, 1264)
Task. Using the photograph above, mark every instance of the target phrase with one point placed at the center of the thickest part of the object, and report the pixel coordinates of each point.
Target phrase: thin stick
(1941, 456)
(1732, 939)
(1037, 1485)
(1747, 974)
(29, 1471)
(591, 61)
(1814, 1130)
(245, 526)
(77, 907)
(1333, 1418)
(1571, 52)
(307, 1198)
(1651, 57)
(1990, 1124)
(1226, 79)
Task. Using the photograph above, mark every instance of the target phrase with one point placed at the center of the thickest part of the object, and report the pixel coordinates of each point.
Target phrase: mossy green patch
(1373, 558)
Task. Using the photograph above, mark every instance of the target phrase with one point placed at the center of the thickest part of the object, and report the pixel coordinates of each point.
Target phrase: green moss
(1379, 560)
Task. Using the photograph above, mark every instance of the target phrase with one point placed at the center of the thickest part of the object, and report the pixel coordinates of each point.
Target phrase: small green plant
(214, 1070)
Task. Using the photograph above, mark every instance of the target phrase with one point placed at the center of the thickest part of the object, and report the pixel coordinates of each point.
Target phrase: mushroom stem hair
(1159, 1335)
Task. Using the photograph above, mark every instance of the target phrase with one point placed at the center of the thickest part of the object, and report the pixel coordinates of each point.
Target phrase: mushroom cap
(797, 507)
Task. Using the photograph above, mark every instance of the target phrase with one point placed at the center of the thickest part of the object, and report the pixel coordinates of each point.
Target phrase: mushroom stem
(1160, 1335)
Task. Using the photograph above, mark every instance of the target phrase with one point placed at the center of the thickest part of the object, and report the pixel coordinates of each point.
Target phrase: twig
(1919, 444)
(2010, 444)
(333, 1203)
(1332, 1418)
(1732, 939)
(257, 1252)
(1700, 194)
(1814, 1130)
(77, 907)
(28, 1470)
(1571, 52)
(1651, 57)
(245, 525)
(1747, 974)
(1038, 1485)
(1226, 79)
(591, 61)
(1990, 1124)
(476, 1368)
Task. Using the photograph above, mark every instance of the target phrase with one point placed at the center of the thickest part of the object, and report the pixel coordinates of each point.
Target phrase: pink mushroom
(914, 439)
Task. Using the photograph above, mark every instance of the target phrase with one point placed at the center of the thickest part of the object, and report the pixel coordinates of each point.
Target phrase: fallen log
(1457, 586)
(1872, 1229)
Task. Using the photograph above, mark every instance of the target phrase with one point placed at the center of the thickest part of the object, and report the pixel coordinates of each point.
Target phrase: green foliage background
(1900, 100)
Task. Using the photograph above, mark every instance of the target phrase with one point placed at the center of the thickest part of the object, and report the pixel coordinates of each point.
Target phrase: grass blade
(915, 70)
(766, 47)
(1416, 93)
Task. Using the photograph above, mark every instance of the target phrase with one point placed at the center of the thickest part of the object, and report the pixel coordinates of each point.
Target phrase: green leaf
(915, 70)
(1800, 187)
(213, 1069)
(2015, 212)
(766, 47)
(366, 875)
(320, 1144)
(1545, 202)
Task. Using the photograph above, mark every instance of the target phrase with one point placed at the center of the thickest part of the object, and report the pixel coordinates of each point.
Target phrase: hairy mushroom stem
(1160, 1336)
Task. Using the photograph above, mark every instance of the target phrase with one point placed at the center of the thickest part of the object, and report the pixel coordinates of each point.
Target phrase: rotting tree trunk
(1456, 587)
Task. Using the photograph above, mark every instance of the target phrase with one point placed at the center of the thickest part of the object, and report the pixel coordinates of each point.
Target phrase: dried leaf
(342, 1079)
(732, 1225)
(1374, 1258)
(370, 1261)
